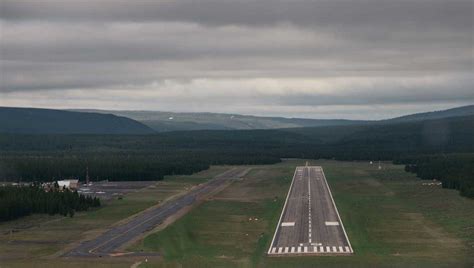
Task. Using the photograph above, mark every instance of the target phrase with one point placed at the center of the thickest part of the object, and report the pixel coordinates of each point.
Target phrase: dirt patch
(32, 242)
(373, 183)
(136, 264)
(377, 184)
(434, 231)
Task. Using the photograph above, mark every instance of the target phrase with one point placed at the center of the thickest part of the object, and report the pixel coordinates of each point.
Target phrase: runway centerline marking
(325, 234)
(309, 206)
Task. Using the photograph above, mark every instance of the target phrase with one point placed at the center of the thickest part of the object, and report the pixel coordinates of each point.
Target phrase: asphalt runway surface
(109, 242)
(310, 223)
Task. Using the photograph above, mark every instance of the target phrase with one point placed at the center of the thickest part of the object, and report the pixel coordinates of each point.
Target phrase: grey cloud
(92, 46)
(395, 91)
(453, 14)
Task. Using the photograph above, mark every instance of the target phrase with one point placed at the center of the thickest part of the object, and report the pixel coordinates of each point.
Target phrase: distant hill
(454, 112)
(46, 121)
(373, 141)
(150, 157)
(170, 121)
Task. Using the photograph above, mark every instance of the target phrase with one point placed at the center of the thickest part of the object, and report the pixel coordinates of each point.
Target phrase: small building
(69, 184)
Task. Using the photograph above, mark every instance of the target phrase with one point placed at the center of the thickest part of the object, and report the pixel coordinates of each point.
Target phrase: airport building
(69, 184)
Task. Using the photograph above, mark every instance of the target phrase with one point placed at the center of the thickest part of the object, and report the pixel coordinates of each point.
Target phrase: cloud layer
(297, 58)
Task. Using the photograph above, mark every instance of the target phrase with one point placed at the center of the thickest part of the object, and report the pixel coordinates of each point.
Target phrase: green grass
(223, 231)
(40, 236)
(392, 221)
(193, 236)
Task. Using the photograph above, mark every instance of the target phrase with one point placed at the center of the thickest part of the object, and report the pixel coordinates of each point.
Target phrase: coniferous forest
(455, 171)
(18, 201)
(151, 157)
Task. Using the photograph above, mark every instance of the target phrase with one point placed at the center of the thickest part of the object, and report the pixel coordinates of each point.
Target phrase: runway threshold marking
(308, 248)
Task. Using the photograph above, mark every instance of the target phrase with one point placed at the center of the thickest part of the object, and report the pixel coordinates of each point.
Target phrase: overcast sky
(318, 59)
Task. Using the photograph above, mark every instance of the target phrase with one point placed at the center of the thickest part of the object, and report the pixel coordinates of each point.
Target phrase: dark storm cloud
(294, 54)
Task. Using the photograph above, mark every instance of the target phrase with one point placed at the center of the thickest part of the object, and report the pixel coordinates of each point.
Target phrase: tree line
(455, 171)
(19, 201)
(151, 157)
(119, 166)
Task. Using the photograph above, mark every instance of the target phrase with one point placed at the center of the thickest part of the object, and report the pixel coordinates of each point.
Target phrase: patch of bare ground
(437, 233)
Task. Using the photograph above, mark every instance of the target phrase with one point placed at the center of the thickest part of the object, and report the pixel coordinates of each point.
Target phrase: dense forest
(455, 171)
(18, 201)
(116, 167)
(150, 157)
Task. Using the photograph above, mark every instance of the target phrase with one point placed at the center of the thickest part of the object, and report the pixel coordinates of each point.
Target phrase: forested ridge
(150, 157)
(47, 121)
(169, 121)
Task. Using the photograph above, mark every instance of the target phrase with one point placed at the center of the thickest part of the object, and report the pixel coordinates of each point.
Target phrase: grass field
(40, 237)
(391, 218)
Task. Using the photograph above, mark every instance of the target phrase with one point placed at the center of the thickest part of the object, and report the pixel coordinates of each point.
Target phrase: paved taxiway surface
(309, 223)
(108, 243)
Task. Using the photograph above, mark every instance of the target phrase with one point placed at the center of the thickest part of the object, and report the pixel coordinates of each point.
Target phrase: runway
(310, 223)
(109, 243)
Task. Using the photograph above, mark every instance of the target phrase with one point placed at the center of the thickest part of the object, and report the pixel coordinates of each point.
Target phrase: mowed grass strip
(30, 238)
(394, 221)
(391, 218)
(233, 228)
(230, 231)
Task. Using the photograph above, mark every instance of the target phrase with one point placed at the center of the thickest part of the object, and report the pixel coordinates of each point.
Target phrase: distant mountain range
(454, 112)
(170, 121)
(47, 121)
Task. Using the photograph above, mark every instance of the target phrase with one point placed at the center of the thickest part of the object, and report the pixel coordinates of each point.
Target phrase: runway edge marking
(337, 212)
(283, 211)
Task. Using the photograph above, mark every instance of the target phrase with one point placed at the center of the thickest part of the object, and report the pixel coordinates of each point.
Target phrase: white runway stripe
(319, 247)
(310, 249)
(310, 240)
